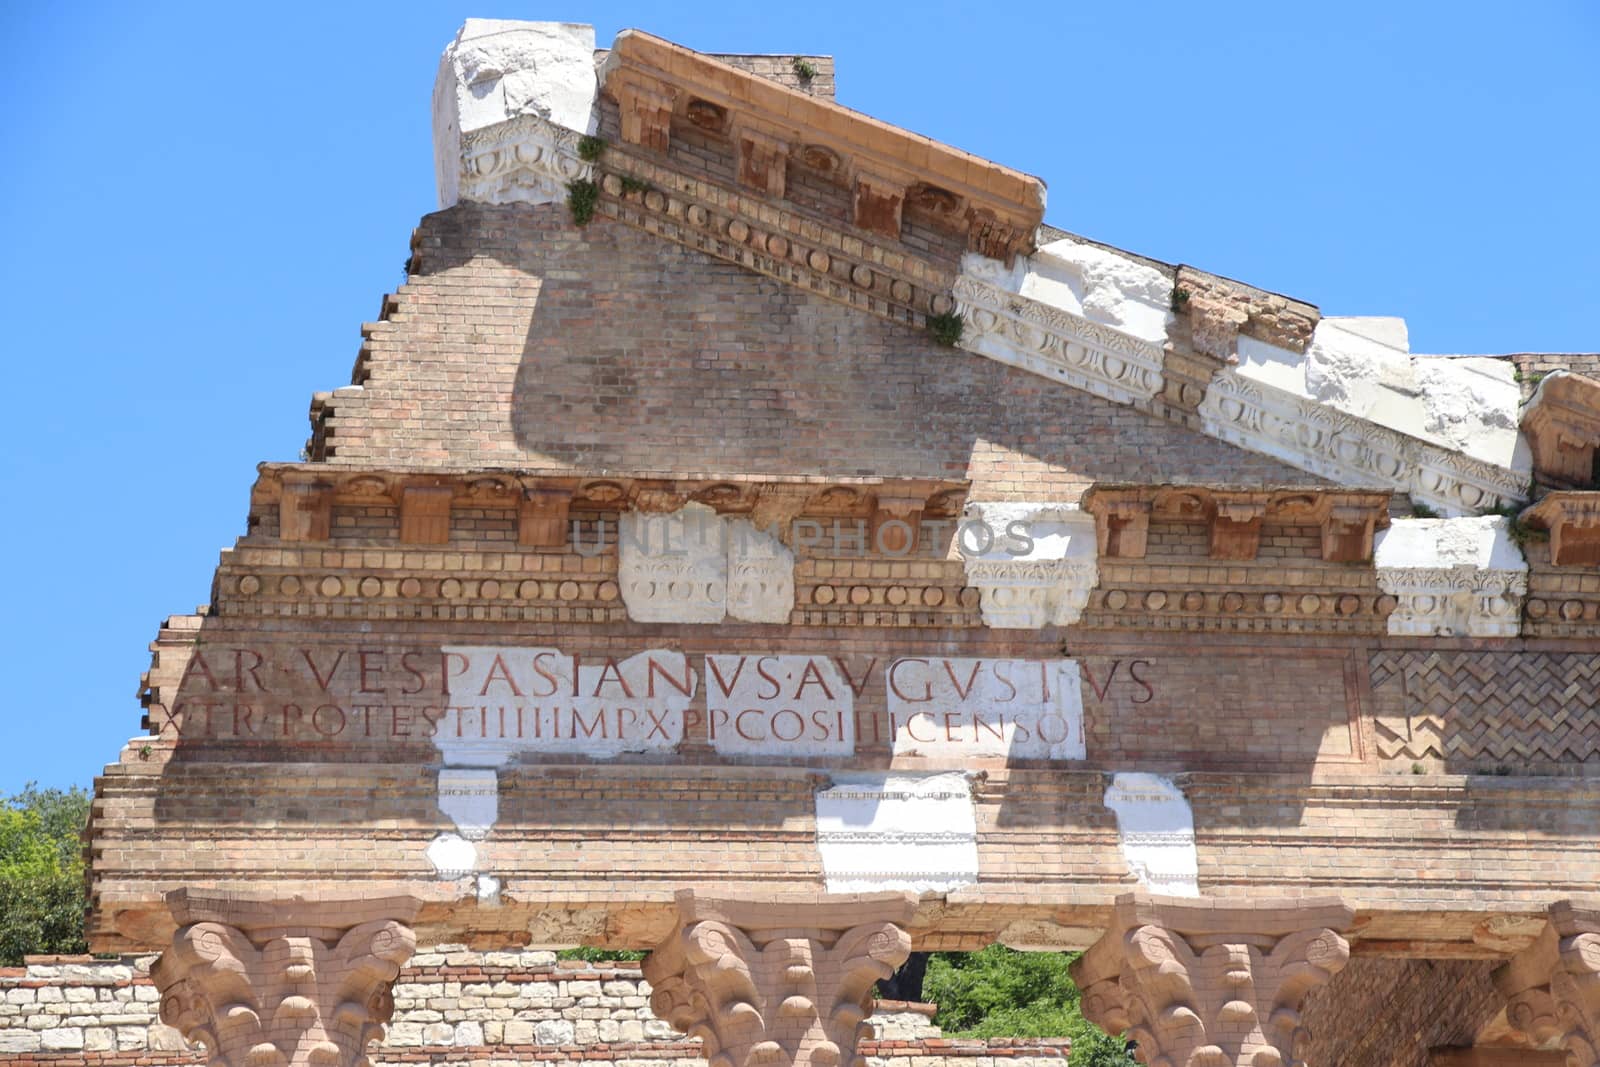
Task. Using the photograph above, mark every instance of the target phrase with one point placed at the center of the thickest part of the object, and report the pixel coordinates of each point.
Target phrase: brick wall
(526, 342)
(1532, 366)
(1389, 1013)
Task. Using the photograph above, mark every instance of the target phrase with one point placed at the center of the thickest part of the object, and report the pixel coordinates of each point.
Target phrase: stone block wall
(452, 1007)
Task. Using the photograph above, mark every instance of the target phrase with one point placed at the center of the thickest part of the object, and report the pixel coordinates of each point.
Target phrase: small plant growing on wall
(1180, 298)
(630, 184)
(946, 329)
(590, 148)
(1519, 531)
(582, 196)
(804, 69)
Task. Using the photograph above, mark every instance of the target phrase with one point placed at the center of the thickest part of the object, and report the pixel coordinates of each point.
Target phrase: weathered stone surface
(1465, 404)
(693, 565)
(496, 70)
(1082, 317)
(1460, 576)
(1034, 564)
(1155, 827)
(897, 832)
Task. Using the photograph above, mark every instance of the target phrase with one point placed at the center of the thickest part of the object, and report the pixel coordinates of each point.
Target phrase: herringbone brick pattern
(1509, 707)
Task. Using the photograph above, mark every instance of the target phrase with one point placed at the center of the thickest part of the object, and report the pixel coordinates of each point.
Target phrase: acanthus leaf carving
(1024, 333)
(526, 159)
(1336, 445)
(1212, 984)
(777, 984)
(264, 991)
(1552, 988)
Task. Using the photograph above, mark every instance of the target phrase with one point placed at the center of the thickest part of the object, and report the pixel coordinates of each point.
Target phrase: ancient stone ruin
(752, 535)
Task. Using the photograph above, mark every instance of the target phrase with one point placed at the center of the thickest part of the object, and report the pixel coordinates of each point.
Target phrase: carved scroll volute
(363, 969)
(1525, 982)
(859, 960)
(723, 957)
(1298, 964)
(207, 984)
(1552, 988)
(1580, 997)
(1159, 995)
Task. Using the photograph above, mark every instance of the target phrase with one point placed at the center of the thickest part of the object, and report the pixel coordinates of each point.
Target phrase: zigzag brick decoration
(1508, 707)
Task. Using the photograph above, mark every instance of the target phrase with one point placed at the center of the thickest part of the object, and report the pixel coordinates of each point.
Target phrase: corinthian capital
(1212, 983)
(779, 983)
(1552, 988)
(281, 983)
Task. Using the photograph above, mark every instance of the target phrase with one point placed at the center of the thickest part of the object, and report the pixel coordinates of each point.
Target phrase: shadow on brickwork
(1391, 1012)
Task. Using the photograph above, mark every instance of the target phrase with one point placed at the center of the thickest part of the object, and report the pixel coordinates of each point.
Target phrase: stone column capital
(778, 983)
(1210, 983)
(1552, 987)
(283, 982)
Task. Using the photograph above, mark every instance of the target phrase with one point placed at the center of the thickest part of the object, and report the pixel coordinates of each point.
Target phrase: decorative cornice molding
(524, 160)
(998, 208)
(1562, 425)
(1330, 443)
(1454, 601)
(1033, 336)
(1452, 577)
(306, 492)
(1573, 520)
(1347, 520)
(1029, 594)
(1029, 590)
(857, 268)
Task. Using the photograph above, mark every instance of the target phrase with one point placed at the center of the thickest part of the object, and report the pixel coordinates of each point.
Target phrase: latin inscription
(483, 705)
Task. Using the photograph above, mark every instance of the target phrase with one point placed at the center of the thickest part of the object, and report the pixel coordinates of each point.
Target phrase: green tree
(41, 872)
(1000, 992)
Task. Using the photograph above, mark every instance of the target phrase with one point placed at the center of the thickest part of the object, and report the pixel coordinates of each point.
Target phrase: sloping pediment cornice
(1339, 398)
(656, 83)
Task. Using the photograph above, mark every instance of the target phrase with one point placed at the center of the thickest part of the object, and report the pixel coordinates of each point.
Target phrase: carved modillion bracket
(1236, 525)
(878, 204)
(1573, 520)
(1562, 425)
(1234, 518)
(542, 518)
(645, 109)
(896, 521)
(425, 514)
(305, 509)
(763, 160)
(1122, 528)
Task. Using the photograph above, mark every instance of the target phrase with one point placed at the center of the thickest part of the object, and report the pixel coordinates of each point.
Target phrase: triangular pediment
(788, 184)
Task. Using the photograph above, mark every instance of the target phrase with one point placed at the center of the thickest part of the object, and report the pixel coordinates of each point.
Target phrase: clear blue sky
(204, 201)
